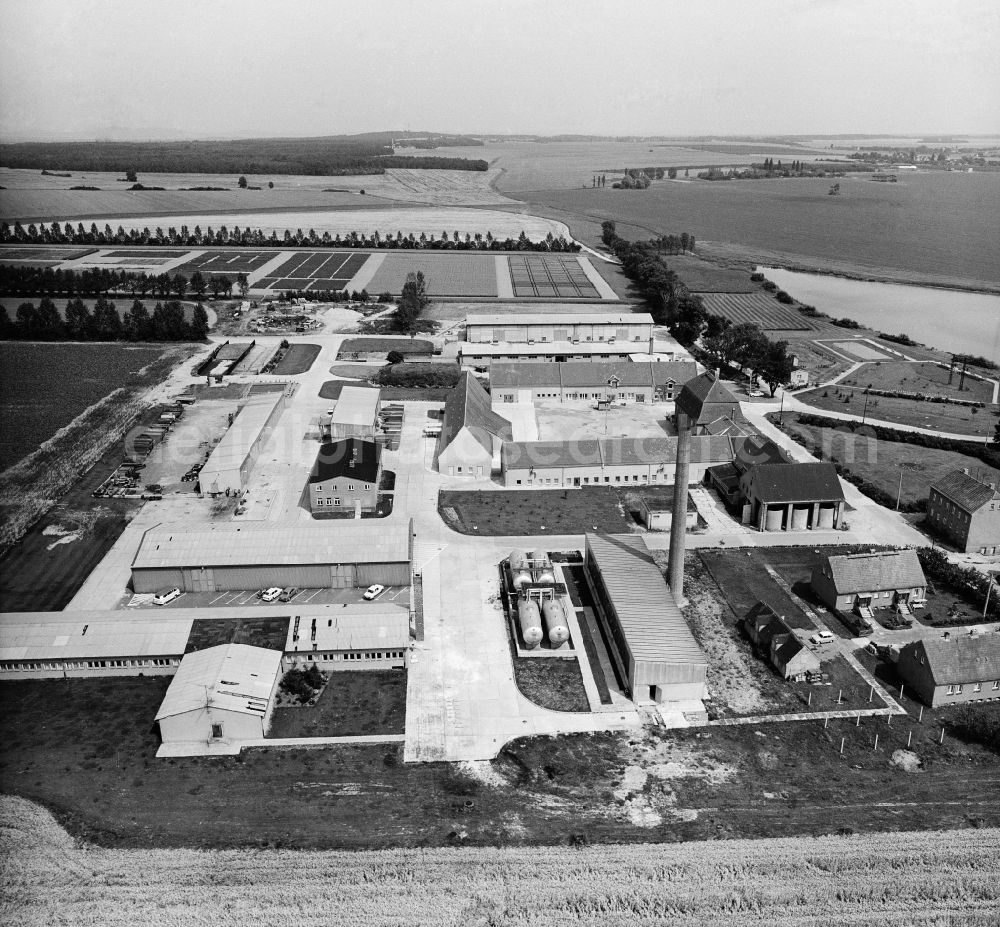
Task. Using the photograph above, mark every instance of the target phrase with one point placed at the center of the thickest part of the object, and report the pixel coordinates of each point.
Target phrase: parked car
(269, 595)
(822, 637)
(290, 593)
(756, 394)
(166, 595)
(374, 591)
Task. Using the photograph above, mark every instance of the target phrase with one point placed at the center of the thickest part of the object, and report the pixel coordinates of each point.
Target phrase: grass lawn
(297, 359)
(353, 702)
(552, 682)
(701, 276)
(881, 462)
(85, 749)
(939, 416)
(535, 511)
(926, 379)
(376, 345)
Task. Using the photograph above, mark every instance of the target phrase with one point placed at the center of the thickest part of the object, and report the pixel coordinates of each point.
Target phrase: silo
(826, 513)
(531, 623)
(542, 567)
(800, 517)
(774, 518)
(520, 575)
(553, 611)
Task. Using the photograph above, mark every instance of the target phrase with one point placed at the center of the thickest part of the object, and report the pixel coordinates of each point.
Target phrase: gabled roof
(702, 396)
(231, 677)
(966, 491)
(613, 452)
(356, 405)
(962, 659)
(787, 650)
(468, 406)
(796, 482)
(500, 319)
(880, 570)
(351, 457)
(593, 374)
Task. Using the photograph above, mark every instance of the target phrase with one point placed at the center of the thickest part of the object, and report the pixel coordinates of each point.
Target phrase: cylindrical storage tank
(531, 623)
(542, 567)
(556, 627)
(520, 575)
(826, 513)
(773, 519)
(800, 517)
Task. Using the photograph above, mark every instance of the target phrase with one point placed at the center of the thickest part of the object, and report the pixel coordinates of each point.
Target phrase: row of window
(976, 687)
(25, 665)
(360, 655)
(350, 487)
(570, 481)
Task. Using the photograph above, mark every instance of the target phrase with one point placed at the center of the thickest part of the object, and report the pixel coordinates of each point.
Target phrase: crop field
(147, 253)
(45, 386)
(708, 277)
(43, 257)
(549, 275)
(225, 262)
(759, 308)
(321, 270)
(466, 274)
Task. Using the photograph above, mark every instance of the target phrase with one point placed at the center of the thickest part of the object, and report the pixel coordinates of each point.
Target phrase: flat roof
(366, 541)
(546, 348)
(591, 373)
(653, 624)
(356, 405)
(230, 677)
(232, 450)
(372, 626)
(559, 318)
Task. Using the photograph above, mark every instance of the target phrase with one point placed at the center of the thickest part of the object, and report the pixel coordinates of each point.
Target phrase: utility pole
(864, 412)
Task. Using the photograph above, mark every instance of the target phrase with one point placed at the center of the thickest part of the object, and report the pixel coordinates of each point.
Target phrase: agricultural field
(219, 262)
(461, 274)
(927, 379)
(758, 308)
(321, 270)
(374, 345)
(882, 462)
(796, 221)
(550, 276)
(701, 276)
(45, 386)
(40, 256)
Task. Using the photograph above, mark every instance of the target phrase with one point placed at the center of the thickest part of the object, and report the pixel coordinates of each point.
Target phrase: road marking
(313, 596)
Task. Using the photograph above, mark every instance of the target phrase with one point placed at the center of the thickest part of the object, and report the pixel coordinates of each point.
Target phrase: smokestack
(678, 521)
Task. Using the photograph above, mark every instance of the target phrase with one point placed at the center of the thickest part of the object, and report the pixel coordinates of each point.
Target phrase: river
(950, 320)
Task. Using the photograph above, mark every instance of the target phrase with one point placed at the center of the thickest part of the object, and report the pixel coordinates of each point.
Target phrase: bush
(296, 682)
(978, 724)
(314, 677)
(395, 357)
(418, 375)
(845, 323)
(782, 297)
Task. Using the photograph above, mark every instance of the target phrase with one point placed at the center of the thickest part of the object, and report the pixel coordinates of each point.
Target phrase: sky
(141, 69)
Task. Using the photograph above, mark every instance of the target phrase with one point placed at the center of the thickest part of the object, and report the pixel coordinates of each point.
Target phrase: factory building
(354, 637)
(227, 469)
(482, 355)
(654, 650)
(472, 433)
(355, 414)
(616, 380)
(219, 698)
(345, 476)
(232, 557)
(792, 496)
(571, 327)
(710, 407)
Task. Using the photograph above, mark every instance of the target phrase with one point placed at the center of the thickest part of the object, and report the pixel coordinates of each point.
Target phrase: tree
(198, 284)
(107, 322)
(78, 321)
(672, 173)
(130, 175)
(774, 365)
(199, 323)
(136, 326)
(242, 183)
(395, 357)
(49, 323)
(242, 284)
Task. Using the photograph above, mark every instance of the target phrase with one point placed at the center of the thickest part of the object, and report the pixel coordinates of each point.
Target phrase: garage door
(155, 580)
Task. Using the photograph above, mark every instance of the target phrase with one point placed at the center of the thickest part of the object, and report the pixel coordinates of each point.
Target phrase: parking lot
(396, 595)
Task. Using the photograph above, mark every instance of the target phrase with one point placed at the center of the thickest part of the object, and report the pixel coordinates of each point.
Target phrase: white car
(374, 591)
(822, 637)
(166, 595)
(269, 595)
(756, 394)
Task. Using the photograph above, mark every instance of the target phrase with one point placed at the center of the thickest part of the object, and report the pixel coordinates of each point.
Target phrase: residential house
(966, 510)
(879, 579)
(710, 407)
(951, 671)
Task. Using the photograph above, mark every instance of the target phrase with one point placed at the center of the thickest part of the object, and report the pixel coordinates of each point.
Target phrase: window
(977, 688)
(336, 501)
(216, 731)
(350, 487)
(996, 686)
(319, 488)
(367, 486)
(459, 469)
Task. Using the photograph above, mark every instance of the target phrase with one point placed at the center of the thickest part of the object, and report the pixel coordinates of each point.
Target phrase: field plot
(760, 308)
(41, 257)
(315, 270)
(467, 274)
(861, 350)
(549, 275)
(225, 262)
(147, 253)
(927, 379)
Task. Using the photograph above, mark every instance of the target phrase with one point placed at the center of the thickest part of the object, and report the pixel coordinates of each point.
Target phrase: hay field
(913, 878)
(430, 220)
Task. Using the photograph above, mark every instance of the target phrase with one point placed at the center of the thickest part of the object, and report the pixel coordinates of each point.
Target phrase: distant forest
(336, 155)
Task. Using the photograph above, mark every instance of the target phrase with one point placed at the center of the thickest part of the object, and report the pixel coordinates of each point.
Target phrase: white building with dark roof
(472, 433)
(619, 380)
(949, 672)
(527, 327)
(878, 579)
(966, 510)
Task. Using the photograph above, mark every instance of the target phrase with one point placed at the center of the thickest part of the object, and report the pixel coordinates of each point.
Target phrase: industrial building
(878, 579)
(528, 327)
(966, 510)
(345, 476)
(615, 380)
(709, 406)
(228, 467)
(355, 637)
(220, 697)
(792, 496)
(472, 434)
(355, 414)
(614, 461)
(653, 648)
(232, 557)
(658, 514)
(482, 355)
(950, 672)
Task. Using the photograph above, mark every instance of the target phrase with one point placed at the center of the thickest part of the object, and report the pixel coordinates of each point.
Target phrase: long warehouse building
(213, 559)
(626, 380)
(526, 327)
(652, 646)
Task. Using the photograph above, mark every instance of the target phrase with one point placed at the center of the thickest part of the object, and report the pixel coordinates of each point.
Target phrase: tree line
(412, 302)
(17, 280)
(334, 156)
(66, 234)
(44, 322)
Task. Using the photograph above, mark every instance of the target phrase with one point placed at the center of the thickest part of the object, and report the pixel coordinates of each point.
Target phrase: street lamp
(989, 588)
(899, 492)
(865, 410)
(613, 382)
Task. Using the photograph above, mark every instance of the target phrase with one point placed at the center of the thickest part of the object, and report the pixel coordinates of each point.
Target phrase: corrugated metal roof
(232, 450)
(879, 571)
(356, 405)
(591, 374)
(89, 635)
(500, 319)
(357, 627)
(299, 544)
(653, 624)
(966, 491)
(231, 677)
(962, 659)
(614, 452)
(548, 348)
